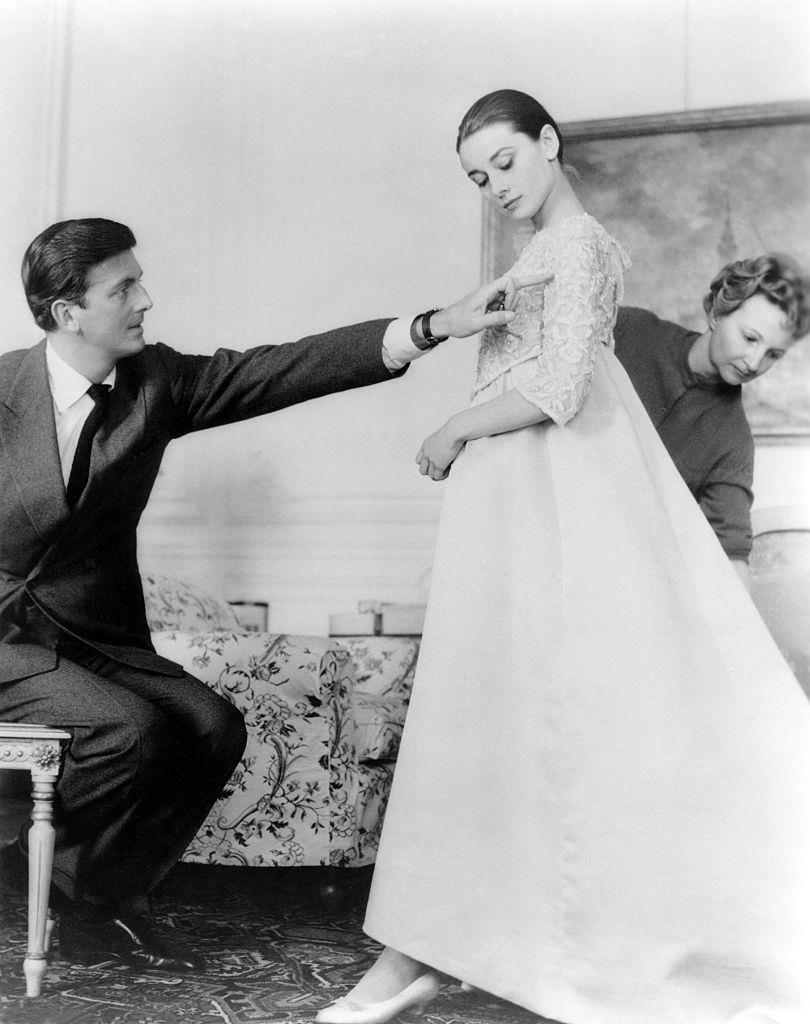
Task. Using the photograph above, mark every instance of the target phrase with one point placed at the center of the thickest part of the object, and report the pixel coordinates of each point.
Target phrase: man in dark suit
(85, 417)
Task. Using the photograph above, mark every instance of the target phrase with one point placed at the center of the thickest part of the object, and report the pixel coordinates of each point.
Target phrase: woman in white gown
(601, 807)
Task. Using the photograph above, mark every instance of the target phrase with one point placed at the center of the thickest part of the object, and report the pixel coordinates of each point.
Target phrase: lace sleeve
(575, 313)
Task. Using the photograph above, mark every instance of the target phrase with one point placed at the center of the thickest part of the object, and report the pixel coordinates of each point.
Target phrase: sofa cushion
(173, 604)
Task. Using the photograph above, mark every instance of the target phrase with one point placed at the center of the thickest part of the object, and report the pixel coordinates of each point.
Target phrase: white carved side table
(38, 750)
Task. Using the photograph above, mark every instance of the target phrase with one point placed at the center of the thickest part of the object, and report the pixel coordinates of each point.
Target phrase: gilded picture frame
(686, 193)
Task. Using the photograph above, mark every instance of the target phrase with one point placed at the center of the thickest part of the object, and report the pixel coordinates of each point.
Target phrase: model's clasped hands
(492, 305)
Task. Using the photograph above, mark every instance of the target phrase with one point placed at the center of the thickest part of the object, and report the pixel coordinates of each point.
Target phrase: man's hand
(491, 305)
(438, 452)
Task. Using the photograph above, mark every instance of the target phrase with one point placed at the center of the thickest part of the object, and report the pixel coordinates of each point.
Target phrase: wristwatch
(421, 334)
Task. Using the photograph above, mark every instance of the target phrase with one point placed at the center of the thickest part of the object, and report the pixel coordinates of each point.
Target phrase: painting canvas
(686, 194)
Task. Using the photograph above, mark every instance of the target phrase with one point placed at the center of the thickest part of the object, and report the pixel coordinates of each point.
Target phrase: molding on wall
(314, 565)
(177, 502)
(54, 100)
(290, 553)
(340, 509)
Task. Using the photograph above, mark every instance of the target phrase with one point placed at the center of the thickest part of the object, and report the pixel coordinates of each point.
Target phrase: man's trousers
(149, 756)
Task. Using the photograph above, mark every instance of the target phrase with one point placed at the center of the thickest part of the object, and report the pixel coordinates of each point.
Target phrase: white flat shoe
(414, 998)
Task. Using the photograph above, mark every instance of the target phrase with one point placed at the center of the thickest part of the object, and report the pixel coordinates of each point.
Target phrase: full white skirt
(601, 806)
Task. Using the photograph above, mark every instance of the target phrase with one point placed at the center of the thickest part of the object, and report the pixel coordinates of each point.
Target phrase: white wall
(288, 167)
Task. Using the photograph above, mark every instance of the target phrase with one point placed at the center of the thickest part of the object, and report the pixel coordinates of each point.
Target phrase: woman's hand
(438, 452)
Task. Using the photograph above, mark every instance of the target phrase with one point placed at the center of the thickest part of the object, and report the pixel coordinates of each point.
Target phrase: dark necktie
(81, 460)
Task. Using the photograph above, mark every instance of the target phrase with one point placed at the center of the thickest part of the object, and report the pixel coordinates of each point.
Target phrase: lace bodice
(560, 324)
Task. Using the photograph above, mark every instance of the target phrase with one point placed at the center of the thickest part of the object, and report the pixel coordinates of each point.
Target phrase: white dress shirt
(397, 347)
(71, 404)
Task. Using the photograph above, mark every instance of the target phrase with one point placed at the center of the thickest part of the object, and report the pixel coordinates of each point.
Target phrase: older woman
(690, 382)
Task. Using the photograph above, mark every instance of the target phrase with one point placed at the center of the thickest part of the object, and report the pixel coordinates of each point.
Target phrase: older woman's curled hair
(776, 277)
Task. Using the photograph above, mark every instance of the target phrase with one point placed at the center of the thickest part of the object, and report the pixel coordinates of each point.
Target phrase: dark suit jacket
(76, 571)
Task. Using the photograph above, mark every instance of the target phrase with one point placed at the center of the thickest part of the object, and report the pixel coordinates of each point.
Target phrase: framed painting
(685, 194)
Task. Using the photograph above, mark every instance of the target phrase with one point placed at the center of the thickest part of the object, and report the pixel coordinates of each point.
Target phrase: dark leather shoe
(129, 939)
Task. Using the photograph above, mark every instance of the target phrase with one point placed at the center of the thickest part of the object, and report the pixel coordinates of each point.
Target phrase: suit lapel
(28, 435)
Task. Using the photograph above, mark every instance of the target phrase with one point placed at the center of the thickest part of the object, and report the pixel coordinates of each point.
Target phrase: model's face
(111, 317)
(513, 171)
(746, 343)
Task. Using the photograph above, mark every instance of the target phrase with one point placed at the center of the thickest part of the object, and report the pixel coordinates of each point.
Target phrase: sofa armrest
(385, 667)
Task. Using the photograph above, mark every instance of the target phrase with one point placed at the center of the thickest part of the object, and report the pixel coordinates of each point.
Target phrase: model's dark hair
(777, 277)
(517, 108)
(58, 262)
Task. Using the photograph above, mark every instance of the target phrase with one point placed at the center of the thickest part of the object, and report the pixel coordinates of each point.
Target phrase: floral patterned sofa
(324, 718)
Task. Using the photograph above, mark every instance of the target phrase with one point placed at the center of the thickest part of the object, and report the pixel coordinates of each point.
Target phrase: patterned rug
(280, 944)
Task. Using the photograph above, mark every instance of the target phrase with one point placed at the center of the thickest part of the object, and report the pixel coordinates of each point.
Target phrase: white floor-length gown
(601, 807)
